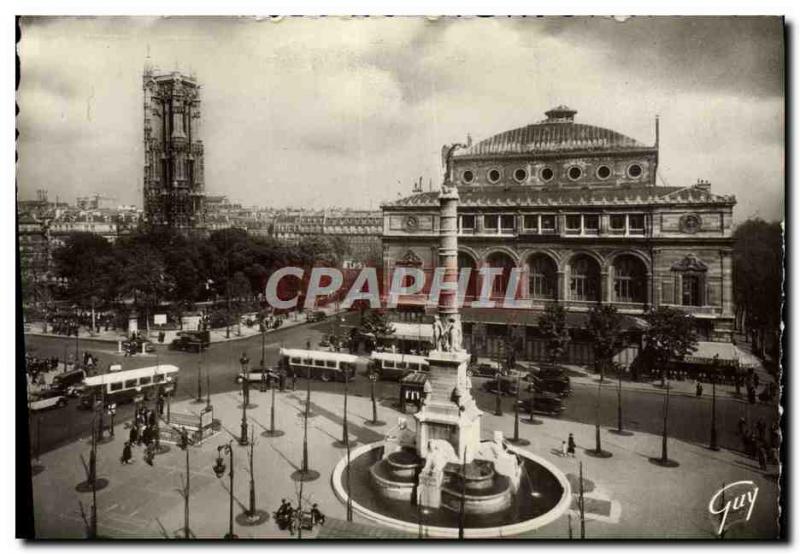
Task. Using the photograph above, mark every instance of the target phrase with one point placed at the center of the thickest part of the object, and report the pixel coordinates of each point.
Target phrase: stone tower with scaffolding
(173, 185)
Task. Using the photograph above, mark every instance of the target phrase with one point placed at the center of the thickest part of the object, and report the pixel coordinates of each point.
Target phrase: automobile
(51, 398)
(483, 368)
(543, 403)
(69, 383)
(256, 374)
(508, 387)
(559, 385)
(135, 345)
(191, 341)
(317, 316)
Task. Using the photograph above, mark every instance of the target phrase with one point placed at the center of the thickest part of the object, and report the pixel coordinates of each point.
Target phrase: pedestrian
(126, 454)
(571, 445)
(151, 418)
(160, 405)
(149, 454)
(133, 436)
(294, 379)
(146, 436)
(698, 388)
(563, 449)
(762, 456)
(317, 516)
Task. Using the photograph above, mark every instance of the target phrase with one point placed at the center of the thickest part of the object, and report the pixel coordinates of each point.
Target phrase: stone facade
(576, 210)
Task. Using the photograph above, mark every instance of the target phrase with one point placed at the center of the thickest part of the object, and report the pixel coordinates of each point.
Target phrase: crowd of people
(144, 432)
(759, 444)
(286, 516)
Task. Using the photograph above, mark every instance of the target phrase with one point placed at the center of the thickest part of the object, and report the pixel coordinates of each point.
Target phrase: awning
(530, 318)
(729, 355)
(412, 331)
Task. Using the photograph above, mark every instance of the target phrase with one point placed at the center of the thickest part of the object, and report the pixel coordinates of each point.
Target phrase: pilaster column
(561, 286)
(649, 289)
(604, 286)
(726, 279)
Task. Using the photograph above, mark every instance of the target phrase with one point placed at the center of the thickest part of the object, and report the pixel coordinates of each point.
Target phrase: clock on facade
(412, 223)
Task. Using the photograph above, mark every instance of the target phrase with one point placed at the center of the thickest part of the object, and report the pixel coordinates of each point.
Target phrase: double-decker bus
(122, 386)
(327, 366)
(394, 366)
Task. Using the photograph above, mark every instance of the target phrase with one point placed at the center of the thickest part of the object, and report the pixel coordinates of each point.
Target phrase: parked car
(191, 341)
(548, 384)
(256, 374)
(317, 316)
(543, 403)
(483, 368)
(508, 387)
(134, 346)
(51, 398)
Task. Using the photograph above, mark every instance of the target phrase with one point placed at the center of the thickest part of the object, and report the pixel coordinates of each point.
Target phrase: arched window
(541, 277)
(629, 280)
(500, 283)
(465, 260)
(584, 281)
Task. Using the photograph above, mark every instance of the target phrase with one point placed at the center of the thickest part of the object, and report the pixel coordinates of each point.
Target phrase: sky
(349, 112)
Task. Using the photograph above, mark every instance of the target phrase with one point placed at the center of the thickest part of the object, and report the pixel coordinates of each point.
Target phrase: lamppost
(112, 411)
(517, 440)
(498, 410)
(373, 379)
(272, 432)
(715, 367)
(93, 479)
(219, 471)
(77, 327)
(199, 398)
(263, 325)
(304, 473)
(184, 443)
(245, 397)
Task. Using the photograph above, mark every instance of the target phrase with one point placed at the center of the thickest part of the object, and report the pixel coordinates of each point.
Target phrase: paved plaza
(626, 495)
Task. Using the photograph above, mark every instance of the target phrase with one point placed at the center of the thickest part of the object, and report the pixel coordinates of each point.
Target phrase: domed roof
(557, 133)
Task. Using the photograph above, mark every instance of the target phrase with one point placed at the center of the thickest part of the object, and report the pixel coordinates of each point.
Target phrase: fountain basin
(543, 496)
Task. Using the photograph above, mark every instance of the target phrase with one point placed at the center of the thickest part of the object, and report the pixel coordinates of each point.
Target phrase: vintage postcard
(400, 278)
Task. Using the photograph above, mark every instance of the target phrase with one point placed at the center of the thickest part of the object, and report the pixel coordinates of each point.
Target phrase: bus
(327, 366)
(394, 366)
(122, 386)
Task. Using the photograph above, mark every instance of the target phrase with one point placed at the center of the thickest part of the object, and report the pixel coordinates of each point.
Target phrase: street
(689, 417)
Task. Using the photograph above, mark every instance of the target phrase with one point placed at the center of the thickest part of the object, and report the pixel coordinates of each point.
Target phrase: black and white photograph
(400, 277)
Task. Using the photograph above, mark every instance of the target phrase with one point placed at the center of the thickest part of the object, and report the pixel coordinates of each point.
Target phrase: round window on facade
(603, 172)
(494, 175)
(520, 175)
(575, 173)
(634, 170)
(547, 174)
(468, 176)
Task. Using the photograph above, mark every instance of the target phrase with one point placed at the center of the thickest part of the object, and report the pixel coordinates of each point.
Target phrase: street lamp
(517, 440)
(715, 368)
(272, 432)
(244, 360)
(373, 379)
(112, 411)
(498, 410)
(219, 471)
(304, 473)
(183, 444)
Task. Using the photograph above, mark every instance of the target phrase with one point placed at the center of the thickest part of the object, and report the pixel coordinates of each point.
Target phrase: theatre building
(579, 210)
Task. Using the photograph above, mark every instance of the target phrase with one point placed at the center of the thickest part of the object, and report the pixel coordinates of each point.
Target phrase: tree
(670, 336)
(553, 327)
(605, 327)
(85, 262)
(758, 279)
(376, 324)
